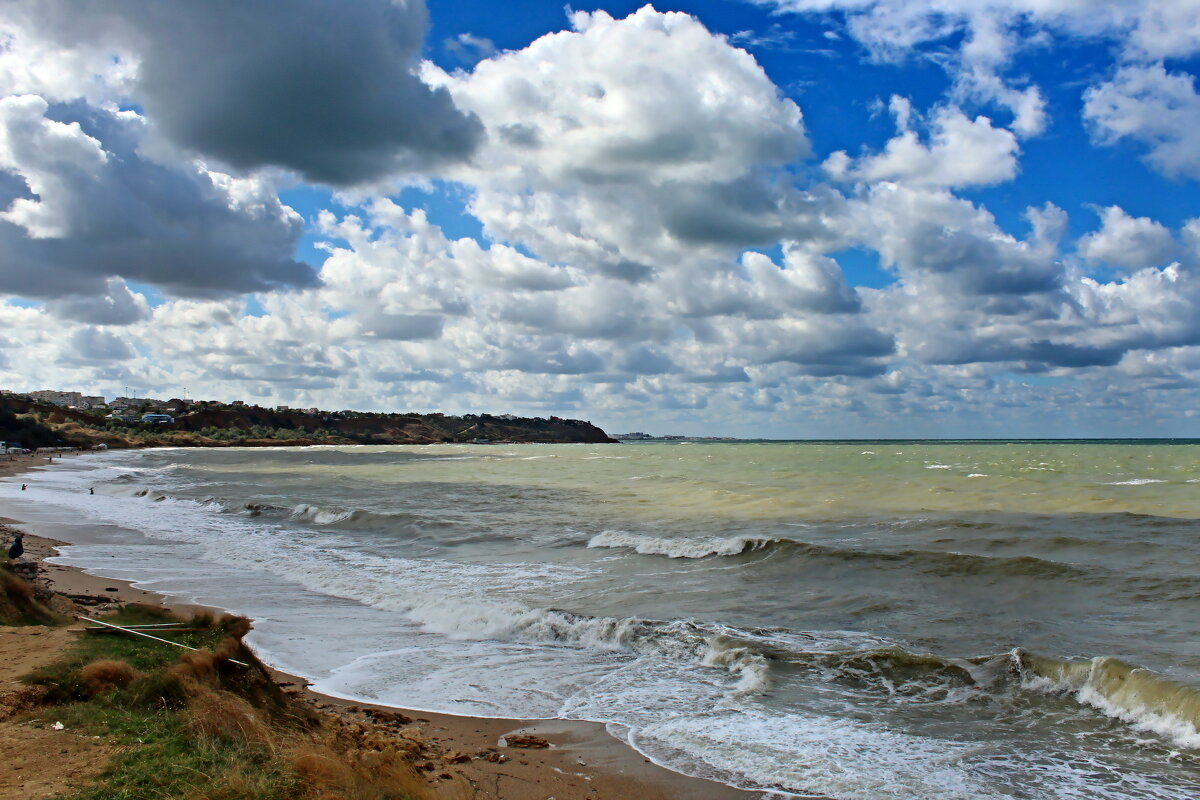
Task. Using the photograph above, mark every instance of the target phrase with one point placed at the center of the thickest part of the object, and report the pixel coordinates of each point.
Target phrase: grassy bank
(197, 725)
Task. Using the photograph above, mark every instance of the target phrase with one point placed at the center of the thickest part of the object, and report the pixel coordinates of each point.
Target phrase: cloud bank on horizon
(784, 218)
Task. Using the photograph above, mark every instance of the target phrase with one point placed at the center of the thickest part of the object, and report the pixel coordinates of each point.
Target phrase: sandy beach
(582, 761)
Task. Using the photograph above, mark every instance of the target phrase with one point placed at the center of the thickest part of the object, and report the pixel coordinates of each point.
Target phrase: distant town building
(66, 399)
(123, 403)
(635, 435)
(158, 419)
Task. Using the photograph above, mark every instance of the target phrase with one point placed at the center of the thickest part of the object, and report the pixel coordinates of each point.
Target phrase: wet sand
(583, 760)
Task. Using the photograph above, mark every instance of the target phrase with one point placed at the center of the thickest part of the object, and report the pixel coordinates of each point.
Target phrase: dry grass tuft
(321, 767)
(202, 619)
(18, 605)
(106, 675)
(17, 590)
(237, 627)
(332, 772)
(221, 715)
(196, 670)
(230, 647)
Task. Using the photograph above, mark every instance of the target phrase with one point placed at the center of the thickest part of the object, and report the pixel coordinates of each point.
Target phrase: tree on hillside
(26, 430)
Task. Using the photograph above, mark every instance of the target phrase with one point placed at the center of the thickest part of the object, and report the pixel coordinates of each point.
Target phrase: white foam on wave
(683, 547)
(320, 516)
(938, 466)
(1136, 482)
(1138, 697)
(978, 475)
(752, 667)
(465, 602)
(1143, 718)
(814, 754)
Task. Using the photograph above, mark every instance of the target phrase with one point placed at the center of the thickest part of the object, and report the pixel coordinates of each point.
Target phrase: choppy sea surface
(859, 620)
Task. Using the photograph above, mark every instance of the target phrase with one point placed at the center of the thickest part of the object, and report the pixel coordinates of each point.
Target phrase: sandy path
(36, 761)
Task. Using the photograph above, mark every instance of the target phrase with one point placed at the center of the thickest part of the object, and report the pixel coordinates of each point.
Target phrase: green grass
(164, 761)
(199, 728)
(62, 681)
(164, 758)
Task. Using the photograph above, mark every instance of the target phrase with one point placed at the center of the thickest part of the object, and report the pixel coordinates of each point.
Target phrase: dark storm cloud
(112, 212)
(321, 87)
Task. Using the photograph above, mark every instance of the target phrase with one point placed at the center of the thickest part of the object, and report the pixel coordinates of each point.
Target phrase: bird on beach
(18, 547)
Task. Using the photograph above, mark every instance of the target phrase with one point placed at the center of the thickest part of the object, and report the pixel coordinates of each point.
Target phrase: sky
(755, 218)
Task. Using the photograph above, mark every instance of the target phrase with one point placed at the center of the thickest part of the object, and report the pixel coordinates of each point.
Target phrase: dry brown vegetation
(205, 714)
(107, 674)
(18, 604)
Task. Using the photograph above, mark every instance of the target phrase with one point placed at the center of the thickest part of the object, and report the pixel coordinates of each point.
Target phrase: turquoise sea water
(861, 620)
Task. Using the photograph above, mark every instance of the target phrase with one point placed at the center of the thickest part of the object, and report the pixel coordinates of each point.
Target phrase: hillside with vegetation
(215, 425)
(26, 430)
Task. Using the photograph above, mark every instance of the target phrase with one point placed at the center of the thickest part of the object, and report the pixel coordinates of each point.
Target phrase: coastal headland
(238, 425)
(451, 756)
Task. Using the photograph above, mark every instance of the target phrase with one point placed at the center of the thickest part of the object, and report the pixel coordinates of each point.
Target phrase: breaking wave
(928, 561)
(683, 547)
(1139, 697)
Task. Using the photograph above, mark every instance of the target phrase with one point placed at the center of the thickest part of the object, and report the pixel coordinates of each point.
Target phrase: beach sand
(583, 761)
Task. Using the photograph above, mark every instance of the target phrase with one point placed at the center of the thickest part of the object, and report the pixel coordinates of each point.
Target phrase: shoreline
(584, 761)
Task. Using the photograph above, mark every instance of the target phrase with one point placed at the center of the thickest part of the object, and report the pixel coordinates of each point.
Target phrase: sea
(866, 619)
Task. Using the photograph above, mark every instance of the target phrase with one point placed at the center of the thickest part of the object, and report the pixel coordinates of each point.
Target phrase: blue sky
(805, 218)
(818, 71)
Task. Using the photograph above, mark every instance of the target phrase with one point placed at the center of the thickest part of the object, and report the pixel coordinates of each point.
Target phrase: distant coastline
(177, 423)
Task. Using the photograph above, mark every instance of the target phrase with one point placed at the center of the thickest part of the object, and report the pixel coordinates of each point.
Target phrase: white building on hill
(76, 399)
